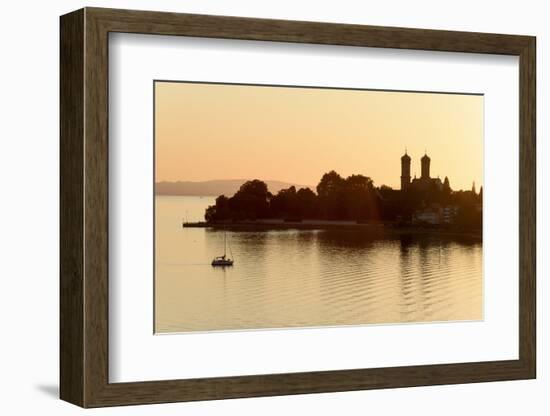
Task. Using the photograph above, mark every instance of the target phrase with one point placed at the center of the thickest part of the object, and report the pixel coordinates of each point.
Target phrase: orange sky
(209, 131)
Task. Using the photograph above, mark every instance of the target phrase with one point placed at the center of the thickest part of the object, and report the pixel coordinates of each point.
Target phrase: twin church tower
(425, 182)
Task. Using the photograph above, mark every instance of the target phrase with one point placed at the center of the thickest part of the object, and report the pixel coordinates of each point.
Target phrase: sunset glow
(221, 131)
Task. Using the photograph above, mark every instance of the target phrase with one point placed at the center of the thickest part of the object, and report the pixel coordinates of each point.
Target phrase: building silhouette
(405, 171)
(425, 182)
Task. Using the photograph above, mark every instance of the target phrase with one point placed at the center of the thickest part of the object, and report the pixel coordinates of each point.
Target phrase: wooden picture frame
(84, 207)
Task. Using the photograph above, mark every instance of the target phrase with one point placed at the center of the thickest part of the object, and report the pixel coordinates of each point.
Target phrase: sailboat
(223, 260)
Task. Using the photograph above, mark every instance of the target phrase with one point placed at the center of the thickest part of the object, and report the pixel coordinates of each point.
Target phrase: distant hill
(226, 187)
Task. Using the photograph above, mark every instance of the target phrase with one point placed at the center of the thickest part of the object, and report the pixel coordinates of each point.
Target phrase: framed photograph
(255, 207)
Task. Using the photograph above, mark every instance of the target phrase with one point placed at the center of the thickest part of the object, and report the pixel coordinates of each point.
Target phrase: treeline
(338, 198)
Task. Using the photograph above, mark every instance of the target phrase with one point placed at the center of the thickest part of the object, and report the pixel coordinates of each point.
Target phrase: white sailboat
(223, 260)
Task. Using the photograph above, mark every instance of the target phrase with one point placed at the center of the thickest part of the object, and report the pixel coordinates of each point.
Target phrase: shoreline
(265, 225)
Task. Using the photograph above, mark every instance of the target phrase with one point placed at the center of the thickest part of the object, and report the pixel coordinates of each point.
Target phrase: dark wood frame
(84, 207)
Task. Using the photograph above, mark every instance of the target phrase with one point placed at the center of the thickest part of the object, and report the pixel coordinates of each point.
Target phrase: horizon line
(313, 188)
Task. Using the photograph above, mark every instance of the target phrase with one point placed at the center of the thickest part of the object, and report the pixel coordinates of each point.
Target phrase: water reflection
(293, 278)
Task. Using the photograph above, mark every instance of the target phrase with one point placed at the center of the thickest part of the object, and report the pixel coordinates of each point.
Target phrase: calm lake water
(307, 278)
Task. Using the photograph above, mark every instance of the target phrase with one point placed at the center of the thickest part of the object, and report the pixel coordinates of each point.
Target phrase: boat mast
(224, 242)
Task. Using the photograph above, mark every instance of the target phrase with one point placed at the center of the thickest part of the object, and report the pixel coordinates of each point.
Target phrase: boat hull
(222, 263)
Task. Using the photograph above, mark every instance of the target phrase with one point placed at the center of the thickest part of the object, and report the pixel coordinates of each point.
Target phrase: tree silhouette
(330, 192)
(285, 203)
(360, 198)
(220, 211)
(308, 204)
(251, 200)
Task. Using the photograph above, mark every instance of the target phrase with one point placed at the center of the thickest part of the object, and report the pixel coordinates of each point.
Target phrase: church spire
(425, 164)
(405, 170)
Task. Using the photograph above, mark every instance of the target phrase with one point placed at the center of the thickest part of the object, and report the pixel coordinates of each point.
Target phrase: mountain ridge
(215, 187)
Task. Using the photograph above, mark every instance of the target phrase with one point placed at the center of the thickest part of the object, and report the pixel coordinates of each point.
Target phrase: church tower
(405, 171)
(425, 162)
